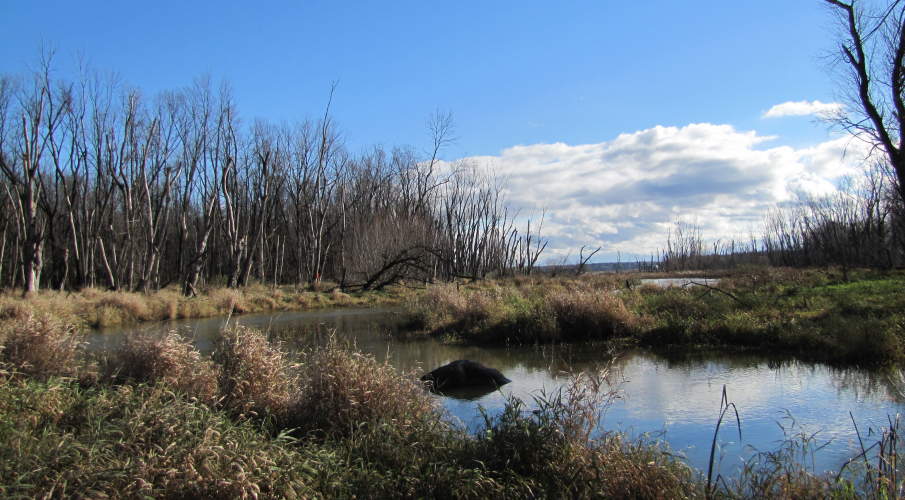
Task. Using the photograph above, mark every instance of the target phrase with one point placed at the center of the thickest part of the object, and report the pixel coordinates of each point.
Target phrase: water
(679, 282)
(676, 399)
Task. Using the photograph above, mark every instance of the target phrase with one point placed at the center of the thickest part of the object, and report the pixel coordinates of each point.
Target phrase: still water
(673, 399)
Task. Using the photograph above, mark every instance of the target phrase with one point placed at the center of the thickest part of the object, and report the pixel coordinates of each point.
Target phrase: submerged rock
(464, 373)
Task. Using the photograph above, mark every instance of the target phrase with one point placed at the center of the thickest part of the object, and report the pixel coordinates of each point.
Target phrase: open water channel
(676, 399)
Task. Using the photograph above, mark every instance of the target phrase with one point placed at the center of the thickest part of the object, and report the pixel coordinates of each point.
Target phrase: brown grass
(343, 389)
(256, 377)
(170, 359)
(229, 300)
(128, 441)
(103, 308)
(41, 346)
(530, 311)
(367, 431)
(590, 315)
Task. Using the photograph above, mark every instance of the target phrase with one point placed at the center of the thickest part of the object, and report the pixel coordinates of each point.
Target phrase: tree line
(862, 224)
(105, 187)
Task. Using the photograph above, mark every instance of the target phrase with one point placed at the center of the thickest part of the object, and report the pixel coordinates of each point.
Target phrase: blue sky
(512, 73)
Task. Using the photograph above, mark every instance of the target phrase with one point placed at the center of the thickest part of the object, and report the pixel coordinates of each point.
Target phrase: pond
(676, 399)
(679, 282)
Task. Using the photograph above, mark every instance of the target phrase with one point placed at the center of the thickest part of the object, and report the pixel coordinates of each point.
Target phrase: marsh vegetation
(255, 420)
(816, 315)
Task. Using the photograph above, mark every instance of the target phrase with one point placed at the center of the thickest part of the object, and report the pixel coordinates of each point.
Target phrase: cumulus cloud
(804, 108)
(625, 193)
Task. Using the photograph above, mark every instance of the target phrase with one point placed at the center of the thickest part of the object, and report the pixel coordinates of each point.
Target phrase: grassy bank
(99, 308)
(814, 314)
(157, 419)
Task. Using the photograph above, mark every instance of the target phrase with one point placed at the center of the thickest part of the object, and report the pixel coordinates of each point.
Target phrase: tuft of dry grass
(170, 359)
(133, 306)
(451, 307)
(41, 346)
(339, 298)
(256, 376)
(590, 315)
(229, 300)
(323, 286)
(343, 389)
(14, 311)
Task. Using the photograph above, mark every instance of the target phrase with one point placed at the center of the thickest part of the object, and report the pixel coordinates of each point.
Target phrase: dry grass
(170, 359)
(324, 286)
(229, 300)
(590, 315)
(366, 431)
(102, 308)
(61, 441)
(534, 311)
(41, 346)
(343, 389)
(848, 317)
(256, 376)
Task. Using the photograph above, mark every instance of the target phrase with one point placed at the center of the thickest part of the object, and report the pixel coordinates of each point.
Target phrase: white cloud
(804, 108)
(624, 194)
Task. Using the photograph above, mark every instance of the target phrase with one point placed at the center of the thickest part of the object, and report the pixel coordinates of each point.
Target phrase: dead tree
(25, 136)
(872, 49)
(583, 259)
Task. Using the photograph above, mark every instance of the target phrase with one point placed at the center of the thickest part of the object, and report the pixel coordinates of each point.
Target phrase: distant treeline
(861, 225)
(102, 186)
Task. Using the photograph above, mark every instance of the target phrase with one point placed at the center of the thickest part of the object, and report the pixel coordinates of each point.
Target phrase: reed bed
(344, 389)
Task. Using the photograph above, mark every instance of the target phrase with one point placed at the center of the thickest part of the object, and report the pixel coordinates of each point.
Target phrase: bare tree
(24, 140)
(872, 49)
(583, 259)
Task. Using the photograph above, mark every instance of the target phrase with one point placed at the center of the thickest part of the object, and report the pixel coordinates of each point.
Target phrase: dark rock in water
(464, 373)
(469, 393)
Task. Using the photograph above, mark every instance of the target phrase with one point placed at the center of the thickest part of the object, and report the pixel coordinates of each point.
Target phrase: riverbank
(92, 307)
(818, 315)
(156, 418)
